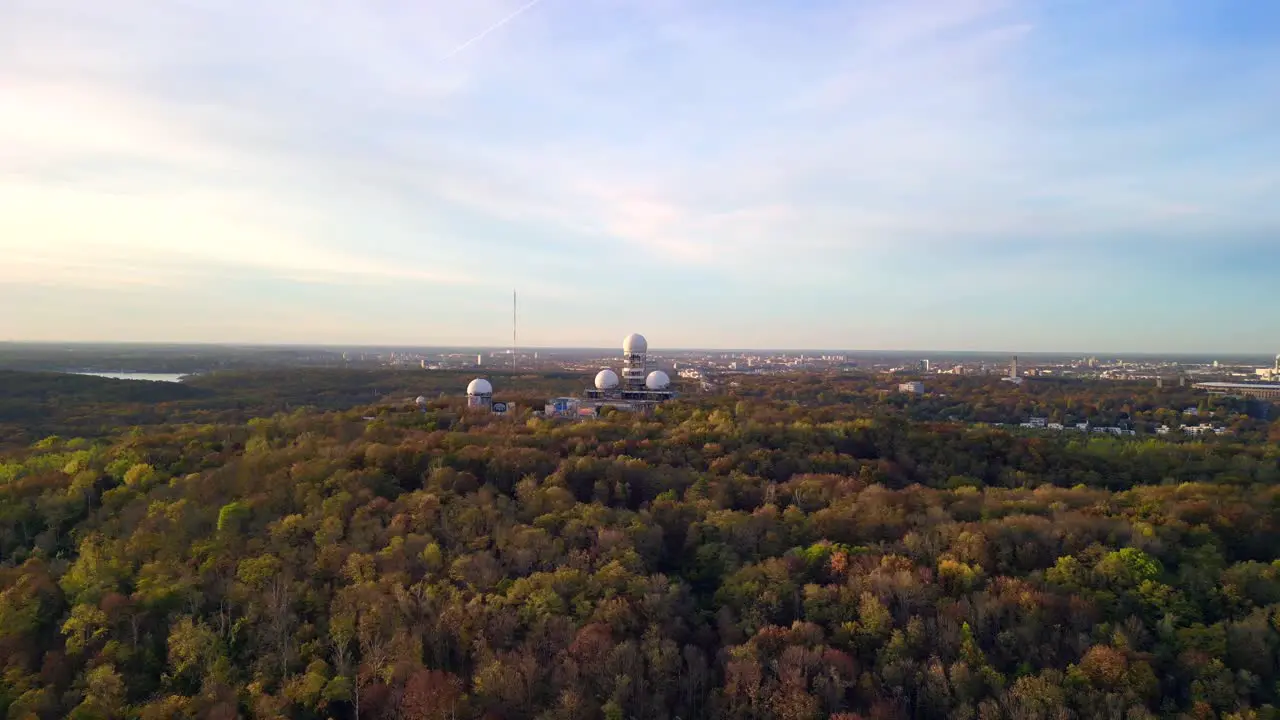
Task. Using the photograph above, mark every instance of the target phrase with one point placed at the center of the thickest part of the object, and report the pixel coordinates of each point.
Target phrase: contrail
(491, 28)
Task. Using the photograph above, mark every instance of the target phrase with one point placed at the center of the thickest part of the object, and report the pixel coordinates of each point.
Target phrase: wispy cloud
(475, 146)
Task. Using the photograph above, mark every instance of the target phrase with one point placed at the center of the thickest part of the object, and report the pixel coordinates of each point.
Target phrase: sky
(1035, 175)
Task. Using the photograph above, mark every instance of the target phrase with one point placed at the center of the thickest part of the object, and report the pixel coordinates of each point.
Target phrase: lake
(153, 377)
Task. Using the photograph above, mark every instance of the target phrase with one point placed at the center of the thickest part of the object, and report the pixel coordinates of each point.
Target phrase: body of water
(153, 377)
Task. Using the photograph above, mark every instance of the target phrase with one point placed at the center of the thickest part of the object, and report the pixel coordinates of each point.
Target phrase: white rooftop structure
(607, 379)
(634, 344)
(480, 394)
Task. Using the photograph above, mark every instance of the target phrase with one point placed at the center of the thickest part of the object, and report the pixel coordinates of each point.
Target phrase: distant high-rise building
(479, 359)
(924, 365)
(1013, 372)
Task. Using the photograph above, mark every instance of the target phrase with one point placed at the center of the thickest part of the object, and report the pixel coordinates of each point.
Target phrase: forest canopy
(798, 548)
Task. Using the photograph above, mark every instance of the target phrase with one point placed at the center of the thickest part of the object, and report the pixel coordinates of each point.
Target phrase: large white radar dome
(657, 380)
(479, 386)
(634, 343)
(606, 379)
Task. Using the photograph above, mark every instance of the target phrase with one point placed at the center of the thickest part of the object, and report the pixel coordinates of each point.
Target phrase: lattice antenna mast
(514, 327)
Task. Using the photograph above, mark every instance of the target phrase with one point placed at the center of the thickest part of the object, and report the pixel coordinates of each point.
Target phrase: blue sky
(935, 174)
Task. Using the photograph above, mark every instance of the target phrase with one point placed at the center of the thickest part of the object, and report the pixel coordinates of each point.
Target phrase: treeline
(746, 560)
(34, 405)
(1134, 405)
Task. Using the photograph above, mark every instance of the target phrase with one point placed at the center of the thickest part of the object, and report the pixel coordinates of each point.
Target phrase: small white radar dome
(635, 344)
(606, 379)
(479, 386)
(420, 400)
(657, 380)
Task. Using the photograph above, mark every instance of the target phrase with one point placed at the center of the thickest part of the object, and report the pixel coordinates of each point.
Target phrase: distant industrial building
(566, 407)
(1260, 391)
(914, 387)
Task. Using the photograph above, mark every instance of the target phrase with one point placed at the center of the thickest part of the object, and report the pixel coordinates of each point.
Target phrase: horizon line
(535, 348)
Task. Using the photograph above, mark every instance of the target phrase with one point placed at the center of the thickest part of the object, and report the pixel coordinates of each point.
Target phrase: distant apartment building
(1203, 428)
(1114, 431)
(911, 388)
(1270, 374)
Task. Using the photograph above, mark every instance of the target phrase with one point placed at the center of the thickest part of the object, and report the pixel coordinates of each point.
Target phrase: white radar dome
(657, 380)
(606, 379)
(479, 386)
(634, 343)
(421, 400)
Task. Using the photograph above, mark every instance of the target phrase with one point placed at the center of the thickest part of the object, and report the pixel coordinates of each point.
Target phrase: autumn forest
(791, 547)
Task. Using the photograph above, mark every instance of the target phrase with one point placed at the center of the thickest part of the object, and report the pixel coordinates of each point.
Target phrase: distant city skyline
(1038, 175)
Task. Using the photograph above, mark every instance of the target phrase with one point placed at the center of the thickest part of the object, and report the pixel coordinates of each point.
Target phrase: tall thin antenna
(514, 326)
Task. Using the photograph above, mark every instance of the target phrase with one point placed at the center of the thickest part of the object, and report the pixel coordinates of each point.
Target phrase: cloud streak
(492, 28)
